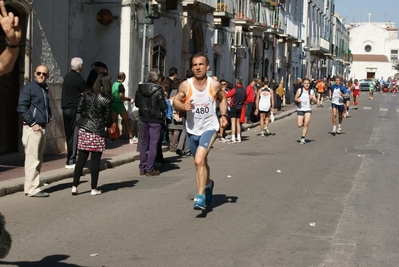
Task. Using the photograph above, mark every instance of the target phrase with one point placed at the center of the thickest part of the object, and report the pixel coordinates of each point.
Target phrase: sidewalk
(117, 153)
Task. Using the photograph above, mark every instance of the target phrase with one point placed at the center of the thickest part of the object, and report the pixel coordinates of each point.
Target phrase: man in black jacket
(33, 104)
(150, 99)
(72, 90)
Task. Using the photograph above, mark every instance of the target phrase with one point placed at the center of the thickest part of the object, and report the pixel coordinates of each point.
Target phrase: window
(367, 48)
(158, 59)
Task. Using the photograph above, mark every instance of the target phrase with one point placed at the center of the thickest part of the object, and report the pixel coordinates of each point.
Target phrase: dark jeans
(150, 134)
(94, 167)
(71, 134)
(248, 112)
(279, 103)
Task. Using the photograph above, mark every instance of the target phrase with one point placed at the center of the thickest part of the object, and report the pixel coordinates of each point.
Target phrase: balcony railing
(318, 43)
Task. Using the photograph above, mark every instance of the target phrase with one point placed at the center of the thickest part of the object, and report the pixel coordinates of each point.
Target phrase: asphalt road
(331, 202)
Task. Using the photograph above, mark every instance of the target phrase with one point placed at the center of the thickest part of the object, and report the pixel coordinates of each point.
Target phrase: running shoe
(262, 134)
(339, 129)
(302, 141)
(209, 193)
(222, 139)
(5, 239)
(233, 141)
(199, 202)
(238, 140)
(334, 129)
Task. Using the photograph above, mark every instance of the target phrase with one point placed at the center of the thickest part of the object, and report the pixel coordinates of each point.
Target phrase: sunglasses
(38, 73)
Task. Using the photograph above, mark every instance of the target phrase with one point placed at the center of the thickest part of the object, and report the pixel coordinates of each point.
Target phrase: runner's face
(338, 81)
(199, 67)
(306, 84)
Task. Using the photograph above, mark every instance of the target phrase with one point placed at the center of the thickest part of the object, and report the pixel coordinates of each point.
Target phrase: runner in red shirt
(356, 92)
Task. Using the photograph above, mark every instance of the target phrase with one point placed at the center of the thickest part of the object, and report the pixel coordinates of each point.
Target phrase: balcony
(319, 45)
(203, 6)
(223, 13)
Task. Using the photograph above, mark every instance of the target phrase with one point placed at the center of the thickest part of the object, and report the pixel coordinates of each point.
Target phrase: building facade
(279, 39)
(375, 47)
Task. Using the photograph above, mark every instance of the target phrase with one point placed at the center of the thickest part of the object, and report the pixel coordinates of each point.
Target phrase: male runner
(338, 92)
(197, 96)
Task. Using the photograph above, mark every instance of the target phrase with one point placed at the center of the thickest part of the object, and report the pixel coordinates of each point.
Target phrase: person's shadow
(53, 261)
(218, 200)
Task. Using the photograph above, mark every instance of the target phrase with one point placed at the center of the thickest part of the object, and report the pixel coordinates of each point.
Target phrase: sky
(358, 10)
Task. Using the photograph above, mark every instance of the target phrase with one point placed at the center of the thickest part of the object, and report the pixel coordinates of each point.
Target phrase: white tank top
(264, 99)
(305, 105)
(203, 116)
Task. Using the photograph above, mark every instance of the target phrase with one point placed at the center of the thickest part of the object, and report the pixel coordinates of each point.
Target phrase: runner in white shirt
(197, 96)
(304, 97)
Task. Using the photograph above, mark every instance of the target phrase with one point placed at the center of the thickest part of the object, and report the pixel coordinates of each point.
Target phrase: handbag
(113, 131)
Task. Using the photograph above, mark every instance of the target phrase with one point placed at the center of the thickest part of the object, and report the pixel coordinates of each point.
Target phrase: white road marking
(383, 109)
(366, 107)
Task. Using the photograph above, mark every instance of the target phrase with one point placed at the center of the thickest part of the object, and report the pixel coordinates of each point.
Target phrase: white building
(375, 47)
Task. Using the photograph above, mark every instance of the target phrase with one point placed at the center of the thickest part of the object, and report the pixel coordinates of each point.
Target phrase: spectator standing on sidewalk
(118, 108)
(150, 99)
(238, 97)
(280, 92)
(250, 99)
(95, 110)
(304, 98)
(33, 105)
(73, 88)
(183, 148)
(10, 25)
(197, 96)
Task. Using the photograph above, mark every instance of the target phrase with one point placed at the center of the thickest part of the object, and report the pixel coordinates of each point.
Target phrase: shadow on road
(218, 200)
(118, 185)
(53, 261)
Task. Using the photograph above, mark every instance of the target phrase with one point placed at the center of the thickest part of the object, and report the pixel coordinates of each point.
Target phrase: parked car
(365, 84)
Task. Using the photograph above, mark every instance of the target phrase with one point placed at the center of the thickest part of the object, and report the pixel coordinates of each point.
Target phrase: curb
(17, 184)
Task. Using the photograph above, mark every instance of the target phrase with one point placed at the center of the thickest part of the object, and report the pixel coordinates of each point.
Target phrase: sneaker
(262, 134)
(95, 192)
(233, 141)
(199, 202)
(74, 191)
(5, 239)
(209, 193)
(238, 140)
(334, 129)
(267, 132)
(302, 141)
(321, 105)
(223, 140)
(70, 166)
(339, 129)
(134, 140)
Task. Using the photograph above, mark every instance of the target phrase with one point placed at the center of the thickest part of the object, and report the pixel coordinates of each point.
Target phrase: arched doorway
(10, 84)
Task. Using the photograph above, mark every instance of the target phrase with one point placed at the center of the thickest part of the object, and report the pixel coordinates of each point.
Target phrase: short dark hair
(199, 54)
(172, 71)
(239, 80)
(121, 76)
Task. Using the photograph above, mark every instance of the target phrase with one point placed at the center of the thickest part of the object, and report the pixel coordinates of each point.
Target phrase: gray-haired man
(72, 89)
